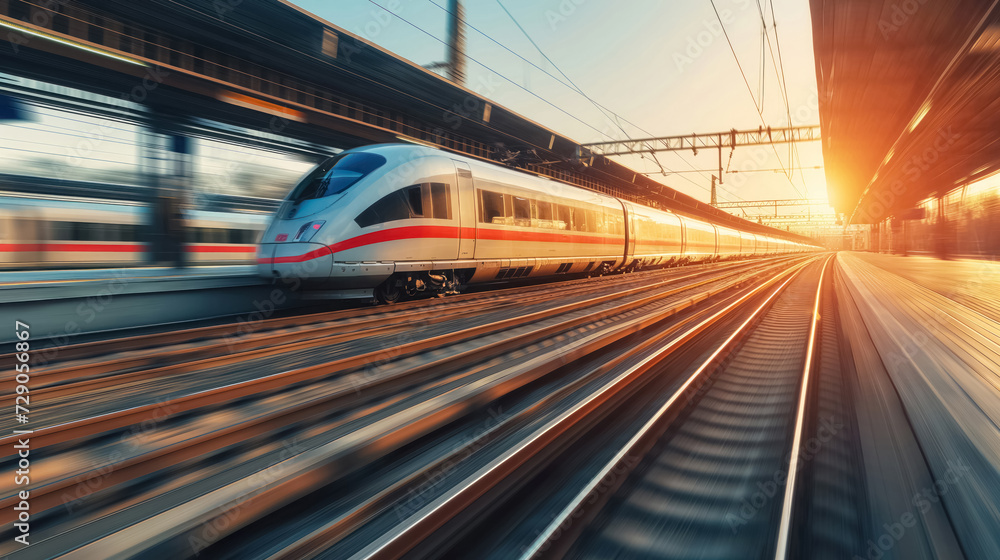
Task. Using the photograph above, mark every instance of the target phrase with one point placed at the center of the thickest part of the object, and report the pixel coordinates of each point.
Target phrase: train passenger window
(336, 175)
(84, 231)
(522, 211)
(491, 207)
(110, 232)
(579, 220)
(130, 232)
(564, 217)
(441, 200)
(415, 200)
(391, 207)
(60, 230)
(544, 210)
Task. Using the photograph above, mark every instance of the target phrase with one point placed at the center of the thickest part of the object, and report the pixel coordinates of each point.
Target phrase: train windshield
(336, 175)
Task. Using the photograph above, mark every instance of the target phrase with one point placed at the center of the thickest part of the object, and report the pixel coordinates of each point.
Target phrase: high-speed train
(73, 232)
(404, 218)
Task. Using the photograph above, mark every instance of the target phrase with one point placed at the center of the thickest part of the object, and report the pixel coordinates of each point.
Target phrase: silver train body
(402, 217)
(71, 232)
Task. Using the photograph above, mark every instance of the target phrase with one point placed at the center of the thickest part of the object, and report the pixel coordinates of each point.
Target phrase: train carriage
(74, 232)
(69, 232)
(403, 218)
(658, 236)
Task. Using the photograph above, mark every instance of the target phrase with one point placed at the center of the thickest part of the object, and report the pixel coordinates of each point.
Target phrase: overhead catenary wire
(614, 117)
(609, 114)
(504, 77)
(606, 112)
(750, 91)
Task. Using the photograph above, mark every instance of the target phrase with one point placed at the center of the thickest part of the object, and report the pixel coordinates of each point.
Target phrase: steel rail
(130, 467)
(149, 340)
(300, 475)
(405, 535)
(74, 387)
(335, 530)
(548, 535)
(785, 525)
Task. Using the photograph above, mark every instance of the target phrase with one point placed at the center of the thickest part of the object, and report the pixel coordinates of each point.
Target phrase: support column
(172, 168)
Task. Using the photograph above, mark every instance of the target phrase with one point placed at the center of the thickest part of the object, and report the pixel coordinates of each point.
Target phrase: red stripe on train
(221, 249)
(447, 232)
(84, 248)
(107, 248)
(321, 252)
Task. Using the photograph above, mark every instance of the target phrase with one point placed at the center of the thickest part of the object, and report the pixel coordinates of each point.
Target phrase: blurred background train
(71, 232)
(404, 218)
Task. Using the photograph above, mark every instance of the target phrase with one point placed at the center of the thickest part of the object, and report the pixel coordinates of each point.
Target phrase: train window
(522, 211)
(61, 230)
(491, 207)
(415, 200)
(544, 210)
(391, 207)
(441, 200)
(336, 175)
(82, 231)
(579, 220)
(564, 217)
(129, 232)
(109, 232)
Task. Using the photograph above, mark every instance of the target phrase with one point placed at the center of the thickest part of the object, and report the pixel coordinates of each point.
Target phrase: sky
(665, 66)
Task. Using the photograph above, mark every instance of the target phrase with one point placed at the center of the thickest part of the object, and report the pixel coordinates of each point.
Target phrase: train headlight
(308, 230)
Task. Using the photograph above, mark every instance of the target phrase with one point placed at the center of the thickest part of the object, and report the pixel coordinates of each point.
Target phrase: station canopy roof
(909, 96)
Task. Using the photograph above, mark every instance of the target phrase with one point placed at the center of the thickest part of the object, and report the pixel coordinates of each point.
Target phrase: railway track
(335, 341)
(202, 448)
(673, 488)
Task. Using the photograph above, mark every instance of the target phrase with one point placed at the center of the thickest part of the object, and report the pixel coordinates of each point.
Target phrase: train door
(466, 212)
(629, 232)
(718, 241)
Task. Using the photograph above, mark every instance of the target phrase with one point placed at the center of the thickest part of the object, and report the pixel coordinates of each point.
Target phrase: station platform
(36, 285)
(63, 304)
(931, 328)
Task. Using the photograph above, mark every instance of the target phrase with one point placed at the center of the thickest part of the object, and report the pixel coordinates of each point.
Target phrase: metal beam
(793, 217)
(772, 203)
(715, 140)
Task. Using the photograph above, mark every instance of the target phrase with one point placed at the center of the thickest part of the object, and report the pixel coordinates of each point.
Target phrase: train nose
(265, 256)
(294, 260)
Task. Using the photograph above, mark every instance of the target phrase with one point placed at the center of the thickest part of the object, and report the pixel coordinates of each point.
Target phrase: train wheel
(388, 292)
